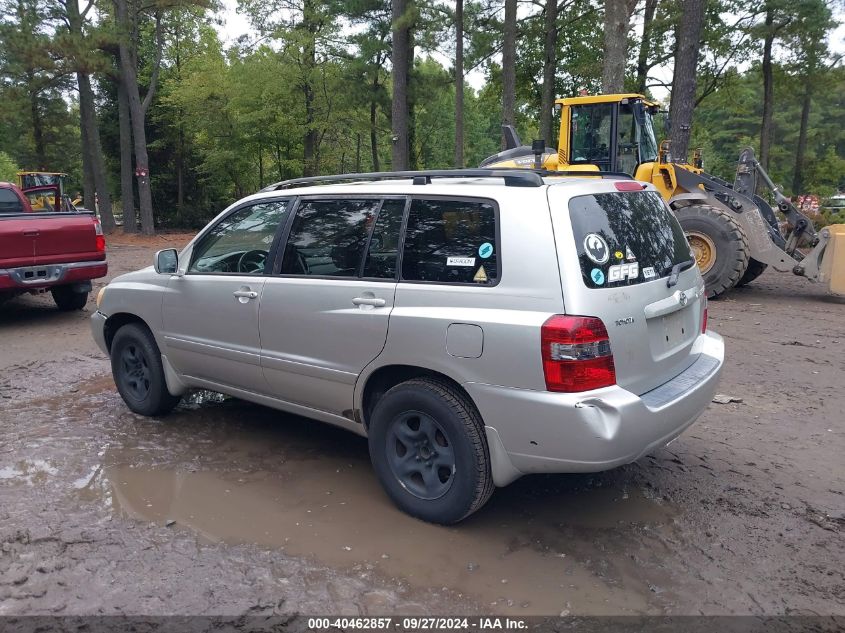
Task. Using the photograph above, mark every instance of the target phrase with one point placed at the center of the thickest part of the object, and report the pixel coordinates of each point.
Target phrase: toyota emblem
(683, 298)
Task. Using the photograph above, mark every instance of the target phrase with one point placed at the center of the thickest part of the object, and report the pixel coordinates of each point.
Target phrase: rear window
(624, 239)
(9, 202)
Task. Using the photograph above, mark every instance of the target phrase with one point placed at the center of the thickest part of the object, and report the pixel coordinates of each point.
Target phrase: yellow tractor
(734, 234)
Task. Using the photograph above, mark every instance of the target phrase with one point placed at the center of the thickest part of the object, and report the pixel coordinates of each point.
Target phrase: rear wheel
(68, 299)
(719, 245)
(429, 451)
(754, 270)
(138, 372)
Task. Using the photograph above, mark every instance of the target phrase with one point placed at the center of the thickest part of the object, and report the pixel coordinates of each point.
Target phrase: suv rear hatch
(617, 249)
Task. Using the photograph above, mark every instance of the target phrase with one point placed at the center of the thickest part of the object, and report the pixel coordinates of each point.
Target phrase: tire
(754, 270)
(718, 233)
(67, 299)
(437, 425)
(138, 372)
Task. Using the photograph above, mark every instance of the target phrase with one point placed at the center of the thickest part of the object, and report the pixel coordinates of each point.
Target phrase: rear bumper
(544, 432)
(35, 277)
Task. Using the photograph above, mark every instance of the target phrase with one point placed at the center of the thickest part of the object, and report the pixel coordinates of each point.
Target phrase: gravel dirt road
(229, 508)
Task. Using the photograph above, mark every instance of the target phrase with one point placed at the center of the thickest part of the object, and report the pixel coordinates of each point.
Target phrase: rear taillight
(101, 240)
(576, 354)
(703, 315)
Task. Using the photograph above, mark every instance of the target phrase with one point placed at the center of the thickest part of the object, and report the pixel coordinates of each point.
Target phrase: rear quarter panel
(509, 313)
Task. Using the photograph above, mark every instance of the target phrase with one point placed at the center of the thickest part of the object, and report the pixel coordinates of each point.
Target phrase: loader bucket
(832, 268)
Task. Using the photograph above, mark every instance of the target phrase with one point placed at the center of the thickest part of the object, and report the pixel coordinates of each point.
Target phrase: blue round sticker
(485, 250)
(597, 276)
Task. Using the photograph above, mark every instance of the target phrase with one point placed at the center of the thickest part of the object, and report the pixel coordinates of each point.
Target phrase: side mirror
(166, 261)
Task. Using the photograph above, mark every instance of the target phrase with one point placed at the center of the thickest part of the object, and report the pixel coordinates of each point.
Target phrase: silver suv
(475, 325)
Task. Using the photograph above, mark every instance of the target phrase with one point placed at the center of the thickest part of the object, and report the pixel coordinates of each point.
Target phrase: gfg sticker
(623, 271)
(597, 276)
(596, 248)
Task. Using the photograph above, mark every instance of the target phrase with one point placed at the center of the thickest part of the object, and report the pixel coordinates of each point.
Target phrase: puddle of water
(293, 484)
(28, 471)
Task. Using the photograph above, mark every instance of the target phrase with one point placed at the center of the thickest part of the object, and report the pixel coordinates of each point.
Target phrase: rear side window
(328, 237)
(9, 202)
(625, 239)
(451, 241)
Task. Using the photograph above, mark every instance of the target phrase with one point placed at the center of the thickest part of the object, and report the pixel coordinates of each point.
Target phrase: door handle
(31, 233)
(245, 294)
(369, 301)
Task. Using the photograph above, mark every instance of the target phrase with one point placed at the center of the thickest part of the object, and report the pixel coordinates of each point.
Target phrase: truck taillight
(576, 354)
(101, 239)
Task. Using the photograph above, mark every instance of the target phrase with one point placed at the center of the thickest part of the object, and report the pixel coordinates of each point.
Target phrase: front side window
(328, 237)
(240, 243)
(591, 134)
(451, 241)
(384, 243)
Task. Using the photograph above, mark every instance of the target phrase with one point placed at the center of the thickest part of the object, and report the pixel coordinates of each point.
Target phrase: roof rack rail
(609, 175)
(513, 177)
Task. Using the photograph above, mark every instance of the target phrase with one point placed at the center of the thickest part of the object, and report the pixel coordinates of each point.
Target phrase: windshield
(625, 239)
(647, 141)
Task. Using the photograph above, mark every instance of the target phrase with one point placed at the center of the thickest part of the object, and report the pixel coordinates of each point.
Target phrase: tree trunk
(615, 46)
(509, 66)
(138, 111)
(401, 70)
(37, 126)
(91, 129)
(768, 91)
(459, 83)
(801, 150)
(688, 41)
(547, 98)
(645, 45)
(127, 193)
(309, 64)
(89, 189)
(374, 129)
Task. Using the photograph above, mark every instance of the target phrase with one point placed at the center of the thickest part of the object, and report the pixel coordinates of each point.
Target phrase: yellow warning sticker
(481, 275)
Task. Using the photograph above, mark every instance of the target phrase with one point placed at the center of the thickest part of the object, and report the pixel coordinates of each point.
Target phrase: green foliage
(228, 121)
(8, 168)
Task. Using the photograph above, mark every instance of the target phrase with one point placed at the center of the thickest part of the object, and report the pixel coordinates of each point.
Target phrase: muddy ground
(228, 508)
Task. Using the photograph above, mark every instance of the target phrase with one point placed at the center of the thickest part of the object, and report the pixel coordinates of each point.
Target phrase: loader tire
(754, 270)
(719, 245)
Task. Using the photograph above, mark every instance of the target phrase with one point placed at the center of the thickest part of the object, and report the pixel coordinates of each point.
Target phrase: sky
(233, 25)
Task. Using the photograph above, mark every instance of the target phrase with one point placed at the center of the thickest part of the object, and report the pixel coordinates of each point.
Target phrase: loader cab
(612, 132)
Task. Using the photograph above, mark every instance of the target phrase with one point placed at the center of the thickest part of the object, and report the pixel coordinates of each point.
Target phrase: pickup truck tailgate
(17, 242)
(65, 238)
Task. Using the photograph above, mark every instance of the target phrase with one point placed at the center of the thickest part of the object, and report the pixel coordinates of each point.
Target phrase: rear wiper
(676, 270)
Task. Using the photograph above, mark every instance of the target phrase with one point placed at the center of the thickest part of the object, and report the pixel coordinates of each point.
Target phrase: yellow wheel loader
(734, 234)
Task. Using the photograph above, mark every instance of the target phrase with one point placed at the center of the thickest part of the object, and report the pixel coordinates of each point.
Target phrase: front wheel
(429, 451)
(718, 243)
(138, 372)
(754, 270)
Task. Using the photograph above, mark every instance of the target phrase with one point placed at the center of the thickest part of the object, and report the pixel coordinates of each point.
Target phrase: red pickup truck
(57, 251)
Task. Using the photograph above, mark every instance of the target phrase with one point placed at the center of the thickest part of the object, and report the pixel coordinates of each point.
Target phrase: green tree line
(141, 102)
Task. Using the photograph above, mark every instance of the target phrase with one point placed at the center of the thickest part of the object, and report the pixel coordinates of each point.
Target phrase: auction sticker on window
(460, 261)
(596, 248)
